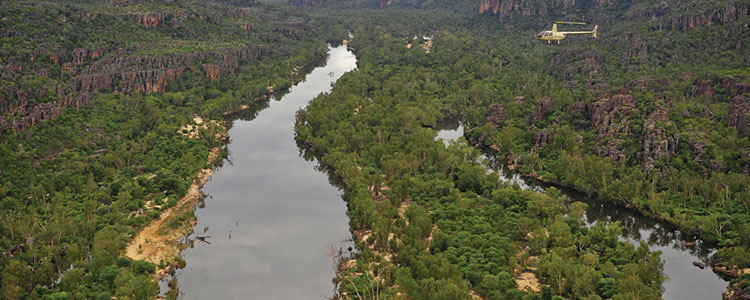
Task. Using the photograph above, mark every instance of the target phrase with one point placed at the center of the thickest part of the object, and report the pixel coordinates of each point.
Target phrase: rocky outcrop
(69, 67)
(127, 2)
(610, 117)
(236, 13)
(739, 113)
(575, 61)
(657, 143)
(664, 14)
(496, 114)
(116, 72)
(649, 82)
(245, 25)
(291, 29)
(16, 117)
(737, 292)
(507, 8)
(698, 150)
(577, 107)
(302, 3)
(673, 16)
(212, 71)
(541, 138)
(542, 106)
(636, 49)
(148, 19)
(719, 15)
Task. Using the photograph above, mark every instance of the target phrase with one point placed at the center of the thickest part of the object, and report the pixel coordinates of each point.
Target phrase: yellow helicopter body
(553, 35)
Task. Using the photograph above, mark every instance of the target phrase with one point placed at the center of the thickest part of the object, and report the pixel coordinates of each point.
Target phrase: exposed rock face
(697, 147)
(69, 67)
(650, 83)
(657, 143)
(245, 25)
(541, 138)
(739, 113)
(496, 114)
(542, 106)
(575, 61)
(127, 2)
(212, 71)
(302, 3)
(38, 112)
(673, 18)
(610, 117)
(727, 86)
(577, 107)
(507, 8)
(668, 14)
(637, 49)
(115, 72)
(736, 292)
(149, 19)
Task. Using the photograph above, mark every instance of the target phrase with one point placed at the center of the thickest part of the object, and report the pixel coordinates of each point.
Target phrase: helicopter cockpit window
(547, 33)
(540, 34)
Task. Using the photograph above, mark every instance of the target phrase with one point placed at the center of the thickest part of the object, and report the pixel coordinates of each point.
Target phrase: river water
(685, 282)
(271, 216)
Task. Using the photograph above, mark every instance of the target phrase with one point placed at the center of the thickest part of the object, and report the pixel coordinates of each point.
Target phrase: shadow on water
(678, 250)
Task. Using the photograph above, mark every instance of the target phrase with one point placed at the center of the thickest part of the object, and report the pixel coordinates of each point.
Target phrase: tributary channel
(685, 282)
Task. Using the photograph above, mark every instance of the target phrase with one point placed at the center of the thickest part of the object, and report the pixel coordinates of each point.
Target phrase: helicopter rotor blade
(571, 23)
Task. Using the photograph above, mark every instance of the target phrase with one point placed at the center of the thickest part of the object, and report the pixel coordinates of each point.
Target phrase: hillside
(652, 116)
(108, 112)
(113, 114)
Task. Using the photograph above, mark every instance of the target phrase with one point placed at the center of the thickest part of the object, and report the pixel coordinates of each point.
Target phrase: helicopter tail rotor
(596, 27)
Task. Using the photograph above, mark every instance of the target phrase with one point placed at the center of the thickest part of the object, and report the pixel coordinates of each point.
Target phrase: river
(271, 216)
(685, 282)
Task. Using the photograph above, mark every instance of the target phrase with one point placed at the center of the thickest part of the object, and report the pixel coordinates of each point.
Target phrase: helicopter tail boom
(592, 32)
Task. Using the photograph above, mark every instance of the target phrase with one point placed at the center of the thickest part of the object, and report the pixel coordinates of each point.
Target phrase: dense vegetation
(652, 116)
(433, 223)
(647, 117)
(76, 187)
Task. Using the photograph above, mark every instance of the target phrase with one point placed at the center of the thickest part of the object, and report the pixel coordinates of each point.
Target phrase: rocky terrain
(66, 76)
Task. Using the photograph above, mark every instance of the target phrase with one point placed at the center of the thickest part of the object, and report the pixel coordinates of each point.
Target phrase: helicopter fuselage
(550, 36)
(553, 35)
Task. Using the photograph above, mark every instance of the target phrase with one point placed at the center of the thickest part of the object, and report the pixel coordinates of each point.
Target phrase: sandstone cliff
(66, 74)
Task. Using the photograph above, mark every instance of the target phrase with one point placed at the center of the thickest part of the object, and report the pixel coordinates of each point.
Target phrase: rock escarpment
(126, 74)
(611, 118)
(508, 8)
(676, 15)
(40, 83)
(739, 113)
(302, 3)
(657, 142)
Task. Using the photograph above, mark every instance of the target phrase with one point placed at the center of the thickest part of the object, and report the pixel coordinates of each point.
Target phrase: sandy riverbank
(157, 242)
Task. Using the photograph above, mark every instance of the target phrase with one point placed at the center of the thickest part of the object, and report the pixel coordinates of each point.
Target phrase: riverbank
(684, 252)
(158, 242)
(272, 215)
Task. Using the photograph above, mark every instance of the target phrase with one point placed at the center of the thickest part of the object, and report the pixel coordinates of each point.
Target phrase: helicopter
(553, 35)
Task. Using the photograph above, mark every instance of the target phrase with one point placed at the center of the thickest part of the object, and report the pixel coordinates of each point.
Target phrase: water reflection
(678, 251)
(271, 215)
